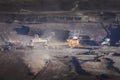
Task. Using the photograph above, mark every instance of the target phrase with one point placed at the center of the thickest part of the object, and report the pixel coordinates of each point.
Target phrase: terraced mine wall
(94, 30)
(61, 25)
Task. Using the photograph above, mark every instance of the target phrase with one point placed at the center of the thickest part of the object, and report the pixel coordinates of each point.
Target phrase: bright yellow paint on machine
(73, 43)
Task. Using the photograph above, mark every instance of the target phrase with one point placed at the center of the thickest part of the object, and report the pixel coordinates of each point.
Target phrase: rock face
(93, 30)
(61, 30)
(60, 4)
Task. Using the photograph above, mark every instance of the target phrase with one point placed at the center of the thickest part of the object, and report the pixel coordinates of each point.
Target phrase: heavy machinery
(73, 42)
(73, 39)
(10, 45)
(37, 42)
(77, 40)
(106, 42)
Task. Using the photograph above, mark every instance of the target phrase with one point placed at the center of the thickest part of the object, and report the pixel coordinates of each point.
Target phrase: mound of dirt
(104, 66)
(36, 61)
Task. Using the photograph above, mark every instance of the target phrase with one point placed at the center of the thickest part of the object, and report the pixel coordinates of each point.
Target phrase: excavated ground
(54, 63)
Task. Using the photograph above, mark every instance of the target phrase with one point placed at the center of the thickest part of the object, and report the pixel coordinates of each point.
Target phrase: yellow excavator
(73, 42)
(77, 40)
(73, 39)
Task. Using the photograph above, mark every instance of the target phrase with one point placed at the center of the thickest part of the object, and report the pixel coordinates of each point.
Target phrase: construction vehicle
(77, 40)
(37, 42)
(73, 42)
(10, 45)
(106, 42)
(14, 42)
(80, 41)
(73, 39)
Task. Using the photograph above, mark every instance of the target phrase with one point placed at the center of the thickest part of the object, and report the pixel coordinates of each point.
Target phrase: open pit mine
(59, 40)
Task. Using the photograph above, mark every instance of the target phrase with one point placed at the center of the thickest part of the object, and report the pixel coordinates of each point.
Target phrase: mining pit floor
(61, 63)
(58, 64)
